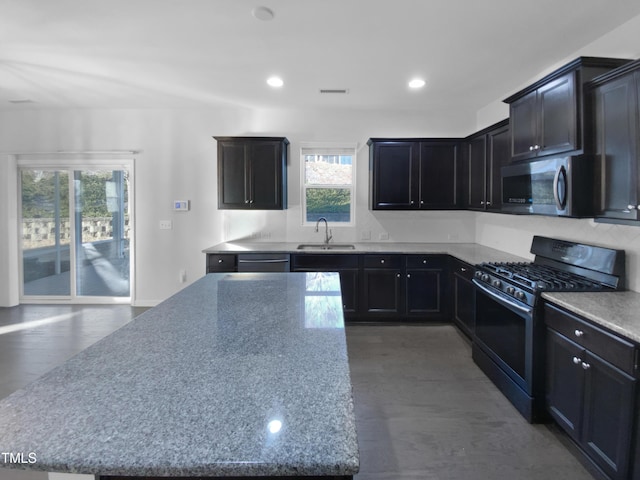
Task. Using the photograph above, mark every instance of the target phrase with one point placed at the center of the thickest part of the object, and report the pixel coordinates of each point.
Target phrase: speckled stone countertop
(236, 375)
(471, 253)
(617, 311)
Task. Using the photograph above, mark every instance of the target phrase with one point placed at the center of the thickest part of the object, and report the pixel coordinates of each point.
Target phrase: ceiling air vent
(334, 90)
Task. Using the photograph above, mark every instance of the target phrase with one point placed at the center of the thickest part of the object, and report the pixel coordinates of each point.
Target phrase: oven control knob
(519, 295)
(485, 277)
(497, 283)
(478, 274)
(511, 290)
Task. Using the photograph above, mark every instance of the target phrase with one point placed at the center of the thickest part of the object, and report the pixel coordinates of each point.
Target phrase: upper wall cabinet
(548, 116)
(487, 152)
(252, 173)
(408, 174)
(615, 99)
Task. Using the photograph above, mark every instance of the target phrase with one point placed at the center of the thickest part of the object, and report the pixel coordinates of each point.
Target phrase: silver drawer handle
(280, 260)
(578, 333)
(577, 360)
(586, 366)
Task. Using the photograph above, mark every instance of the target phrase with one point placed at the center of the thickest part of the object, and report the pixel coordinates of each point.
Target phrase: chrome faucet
(327, 233)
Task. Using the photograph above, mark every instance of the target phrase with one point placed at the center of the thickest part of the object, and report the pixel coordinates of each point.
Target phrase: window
(328, 184)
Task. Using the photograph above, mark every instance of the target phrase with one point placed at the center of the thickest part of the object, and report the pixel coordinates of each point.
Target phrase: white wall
(178, 161)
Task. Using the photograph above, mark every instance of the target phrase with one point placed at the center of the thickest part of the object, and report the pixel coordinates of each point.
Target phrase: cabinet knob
(462, 269)
(246, 201)
(586, 366)
(250, 201)
(577, 360)
(482, 202)
(424, 261)
(631, 207)
(421, 202)
(488, 203)
(220, 260)
(578, 333)
(382, 261)
(398, 275)
(412, 202)
(531, 148)
(408, 275)
(536, 147)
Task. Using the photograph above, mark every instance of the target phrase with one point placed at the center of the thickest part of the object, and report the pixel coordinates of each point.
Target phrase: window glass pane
(46, 232)
(328, 169)
(332, 203)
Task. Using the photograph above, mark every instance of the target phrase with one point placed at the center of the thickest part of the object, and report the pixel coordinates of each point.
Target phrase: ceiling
(203, 53)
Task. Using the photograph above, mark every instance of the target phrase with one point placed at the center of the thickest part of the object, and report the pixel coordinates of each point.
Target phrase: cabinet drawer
(612, 348)
(464, 270)
(426, 261)
(221, 263)
(382, 261)
(324, 261)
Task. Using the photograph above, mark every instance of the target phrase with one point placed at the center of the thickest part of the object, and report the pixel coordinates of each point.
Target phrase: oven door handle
(501, 299)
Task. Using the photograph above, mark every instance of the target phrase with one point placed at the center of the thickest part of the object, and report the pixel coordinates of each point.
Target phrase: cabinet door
(524, 127)
(558, 117)
(395, 175)
(477, 173)
(438, 175)
(616, 130)
(498, 156)
(266, 171)
(381, 292)
(424, 292)
(608, 419)
(565, 382)
(233, 188)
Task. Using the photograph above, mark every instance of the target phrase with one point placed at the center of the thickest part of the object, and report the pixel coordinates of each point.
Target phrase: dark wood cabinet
(225, 262)
(548, 116)
(382, 286)
(386, 287)
(591, 390)
(405, 287)
(252, 173)
(407, 174)
(487, 152)
(615, 100)
(464, 295)
(345, 264)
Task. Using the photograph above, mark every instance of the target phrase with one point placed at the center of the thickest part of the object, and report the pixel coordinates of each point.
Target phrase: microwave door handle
(560, 203)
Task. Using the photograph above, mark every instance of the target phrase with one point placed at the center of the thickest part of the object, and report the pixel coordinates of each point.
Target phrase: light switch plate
(166, 224)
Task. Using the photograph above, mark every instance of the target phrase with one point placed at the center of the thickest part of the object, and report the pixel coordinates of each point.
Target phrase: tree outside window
(328, 186)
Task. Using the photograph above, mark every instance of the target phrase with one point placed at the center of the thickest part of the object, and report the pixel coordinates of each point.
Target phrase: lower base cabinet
(386, 287)
(591, 389)
(464, 294)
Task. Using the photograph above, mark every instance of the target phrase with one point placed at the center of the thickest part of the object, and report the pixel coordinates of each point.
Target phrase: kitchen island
(238, 375)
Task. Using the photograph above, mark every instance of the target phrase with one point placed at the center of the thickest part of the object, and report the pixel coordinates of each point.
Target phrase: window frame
(342, 149)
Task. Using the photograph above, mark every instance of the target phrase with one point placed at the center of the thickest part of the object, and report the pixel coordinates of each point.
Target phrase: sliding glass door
(75, 233)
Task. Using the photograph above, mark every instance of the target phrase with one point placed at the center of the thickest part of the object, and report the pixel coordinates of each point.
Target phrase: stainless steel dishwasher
(264, 262)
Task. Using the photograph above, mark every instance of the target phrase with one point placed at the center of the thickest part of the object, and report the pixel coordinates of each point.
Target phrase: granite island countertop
(238, 374)
(471, 253)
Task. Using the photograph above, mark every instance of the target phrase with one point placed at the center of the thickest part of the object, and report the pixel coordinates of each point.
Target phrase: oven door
(504, 333)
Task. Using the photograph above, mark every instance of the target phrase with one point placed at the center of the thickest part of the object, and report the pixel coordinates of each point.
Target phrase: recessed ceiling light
(262, 13)
(275, 82)
(417, 83)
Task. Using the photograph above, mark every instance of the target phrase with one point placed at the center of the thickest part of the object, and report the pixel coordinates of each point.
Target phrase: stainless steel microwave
(554, 186)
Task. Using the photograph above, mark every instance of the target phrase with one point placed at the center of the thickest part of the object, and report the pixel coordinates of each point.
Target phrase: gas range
(509, 336)
(559, 266)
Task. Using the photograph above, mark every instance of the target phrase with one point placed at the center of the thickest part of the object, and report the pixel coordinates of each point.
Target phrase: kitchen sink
(324, 246)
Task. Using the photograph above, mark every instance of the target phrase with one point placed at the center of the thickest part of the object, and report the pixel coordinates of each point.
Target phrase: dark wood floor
(423, 409)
